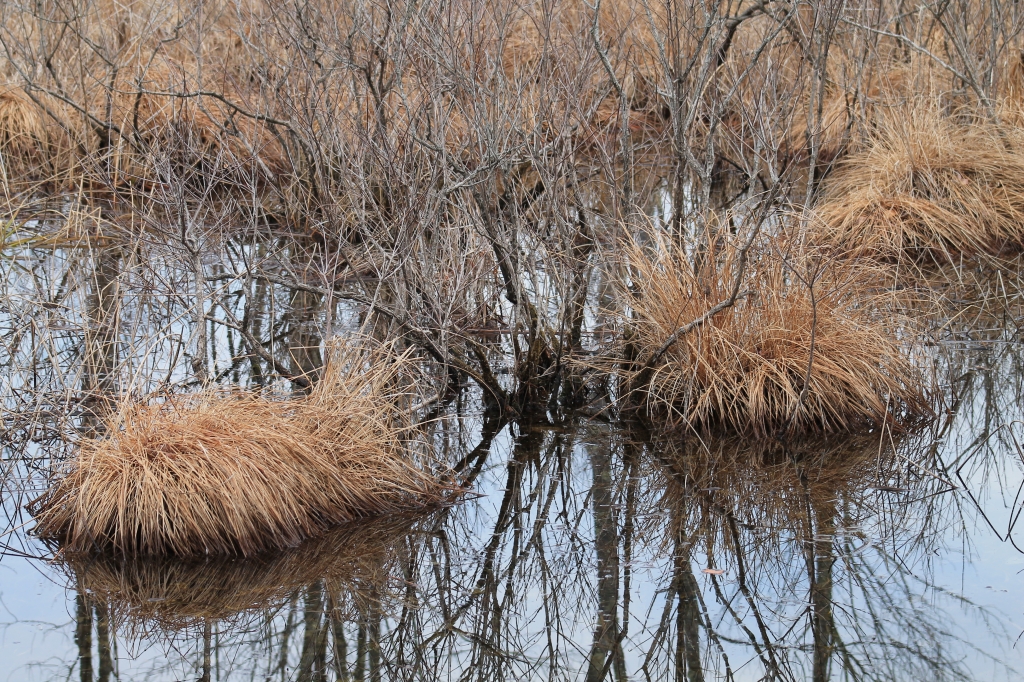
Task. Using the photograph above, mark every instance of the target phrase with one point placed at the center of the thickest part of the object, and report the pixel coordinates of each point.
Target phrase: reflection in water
(100, 362)
(176, 594)
(593, 551)
(596, 555)
(793, 516)
(606, 652)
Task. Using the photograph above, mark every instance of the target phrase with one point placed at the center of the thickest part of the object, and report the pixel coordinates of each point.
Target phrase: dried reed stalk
(233, 472)
(810, 347)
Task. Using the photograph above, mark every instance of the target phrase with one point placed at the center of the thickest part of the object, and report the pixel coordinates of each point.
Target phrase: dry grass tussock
(809, 347)
(191, 132)
(177, 593)
(226, 473)
(31, 145)
(929, 186)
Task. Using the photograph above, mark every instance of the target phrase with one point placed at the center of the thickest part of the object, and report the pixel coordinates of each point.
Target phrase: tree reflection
(688, 614)
(83, 636)
(593, 551)
(606, 651)
(593, 556)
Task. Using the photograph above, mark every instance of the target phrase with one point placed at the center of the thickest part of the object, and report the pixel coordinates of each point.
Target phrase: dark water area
(585, 548)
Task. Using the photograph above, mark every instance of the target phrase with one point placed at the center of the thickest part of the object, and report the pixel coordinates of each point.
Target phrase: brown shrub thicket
(461, 174)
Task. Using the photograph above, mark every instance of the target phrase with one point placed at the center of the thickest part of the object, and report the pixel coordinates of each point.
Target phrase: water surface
(587, 547)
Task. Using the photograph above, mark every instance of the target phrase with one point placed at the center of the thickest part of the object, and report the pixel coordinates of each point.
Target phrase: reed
(928, 186)
(812, 345)
(236, 473)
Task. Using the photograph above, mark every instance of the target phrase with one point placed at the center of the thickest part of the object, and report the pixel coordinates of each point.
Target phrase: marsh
(688, 340)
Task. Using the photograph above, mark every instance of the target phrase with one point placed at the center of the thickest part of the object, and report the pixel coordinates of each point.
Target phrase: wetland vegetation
(486, 339)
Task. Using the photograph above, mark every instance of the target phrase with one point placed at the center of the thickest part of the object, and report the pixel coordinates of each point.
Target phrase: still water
(586, 548)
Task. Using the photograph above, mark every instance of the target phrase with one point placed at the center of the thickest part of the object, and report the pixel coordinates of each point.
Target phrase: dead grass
(198, 134)
(227, 473)
(22, 129)
(174, 593)
(144, 101)
(929, 186)
(745, 369)
(32, 147)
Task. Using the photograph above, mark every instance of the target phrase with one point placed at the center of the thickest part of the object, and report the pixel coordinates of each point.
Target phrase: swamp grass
(929, 186)
(467, 181)
(224, 472)
(813, 343)
(472, 181)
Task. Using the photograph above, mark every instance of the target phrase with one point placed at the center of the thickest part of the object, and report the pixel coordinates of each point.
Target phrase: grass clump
(807, 346)
(928, 186)
(237, 473)
(31, 147)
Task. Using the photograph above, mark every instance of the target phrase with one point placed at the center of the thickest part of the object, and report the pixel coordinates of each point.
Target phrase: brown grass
(146, 95)
(32, 147)
(224, 473)
(745, 369)
(175, 593)
(190, 131)
(931, 186)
